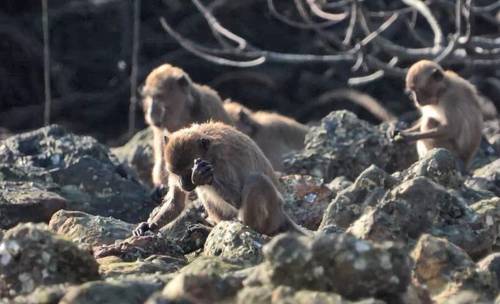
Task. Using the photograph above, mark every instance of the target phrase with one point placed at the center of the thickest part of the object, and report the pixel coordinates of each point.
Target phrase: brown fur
(242, 186)
(171, 101)
(451, 116)
(275, 134)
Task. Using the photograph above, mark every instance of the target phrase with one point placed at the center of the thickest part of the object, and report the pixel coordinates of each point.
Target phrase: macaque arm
(438, 132)
(413, 128)
(173, 204)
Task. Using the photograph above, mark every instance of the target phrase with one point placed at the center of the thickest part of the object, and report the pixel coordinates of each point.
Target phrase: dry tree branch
(336, 17)
(292, 23)
(46, 62)
(135, 67)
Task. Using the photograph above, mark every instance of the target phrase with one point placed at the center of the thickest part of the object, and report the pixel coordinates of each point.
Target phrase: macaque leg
(158, 174)
(261, 207)
(173, 204)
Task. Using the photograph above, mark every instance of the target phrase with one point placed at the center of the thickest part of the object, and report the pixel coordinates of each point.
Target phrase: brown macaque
(230, 175)
(450, 113)
(171, 101)
(275, 134)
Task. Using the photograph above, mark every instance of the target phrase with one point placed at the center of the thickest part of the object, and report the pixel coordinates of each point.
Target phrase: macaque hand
(203, 172)
(143, 228)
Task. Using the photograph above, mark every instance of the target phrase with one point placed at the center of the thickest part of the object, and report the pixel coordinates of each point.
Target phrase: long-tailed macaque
(450, 113)
(275, 134)
(171, 101)
(230, 175)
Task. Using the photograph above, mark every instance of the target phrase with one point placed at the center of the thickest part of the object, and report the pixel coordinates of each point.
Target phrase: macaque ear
(437, 75)
(204, 143)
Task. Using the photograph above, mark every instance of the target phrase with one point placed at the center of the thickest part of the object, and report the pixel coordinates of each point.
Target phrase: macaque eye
(204, 143)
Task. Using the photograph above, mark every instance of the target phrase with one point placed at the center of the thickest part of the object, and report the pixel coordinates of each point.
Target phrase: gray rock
(350, 204)
(235, 243)
(306, 199)
(486, 178)
(32, 256)
(345, 145)
(341, 263)
(50, 294)
(489, 211)
(159, 265)
(138, 154)
(421, 206)
(22, 202)
(93, 230)
(447, 270)
(106, 292)
(77, 168)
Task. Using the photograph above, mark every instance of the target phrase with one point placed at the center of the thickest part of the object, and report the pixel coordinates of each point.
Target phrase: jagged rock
(210, 265)
(32, 256)
(114, 267)
(342, 264)
(106, 292)
(339, 183)
(440, 166)
(235, 243)
(140, 247)
(421, 206)
(489, 211)
(93, 230)
(255, 294)
(77, 168)
(486, 178)
(345, 145)
(447, 270)
(306, 198)
(349, 204)
(22, 202)
(491, 263)
(138, 154)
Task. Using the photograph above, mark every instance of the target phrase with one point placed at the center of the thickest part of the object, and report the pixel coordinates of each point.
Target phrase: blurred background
(91, 43)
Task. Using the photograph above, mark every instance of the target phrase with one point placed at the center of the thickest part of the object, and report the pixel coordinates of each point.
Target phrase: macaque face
(165, 104)
(424, 82)
(180, 156)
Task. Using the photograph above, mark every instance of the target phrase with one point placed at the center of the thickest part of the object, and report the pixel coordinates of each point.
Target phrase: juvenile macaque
(275, 134)
(171, 101)
(450, 114)
(230, 175)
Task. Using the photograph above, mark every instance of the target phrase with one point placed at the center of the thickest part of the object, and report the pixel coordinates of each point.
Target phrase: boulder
(340, 263)
(22, 202)
(115, 267)
(77, 168)
(491, 264)
(235, 243)
(486, 178)
(345, 145)
(32, 256)
(92, 230)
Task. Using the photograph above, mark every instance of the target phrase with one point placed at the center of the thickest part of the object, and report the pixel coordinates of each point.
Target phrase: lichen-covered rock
(93, 230)
(306, 198)
(32, 256)
(421, 206)
(489, 211)
(349, 204)
(235, 243)
(138, 154)
(491, 263)
(340, 263)
(345, 145)
(140, 247)
(255, 294)
(339, 183)
(77, 168)
(210, 265)
(22, 202)
(50, 294)
(114, 267)
(107, 292)
(440, 166)
(447, 270)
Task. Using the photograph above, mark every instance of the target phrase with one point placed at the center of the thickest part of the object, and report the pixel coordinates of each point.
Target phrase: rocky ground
(389, 228)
